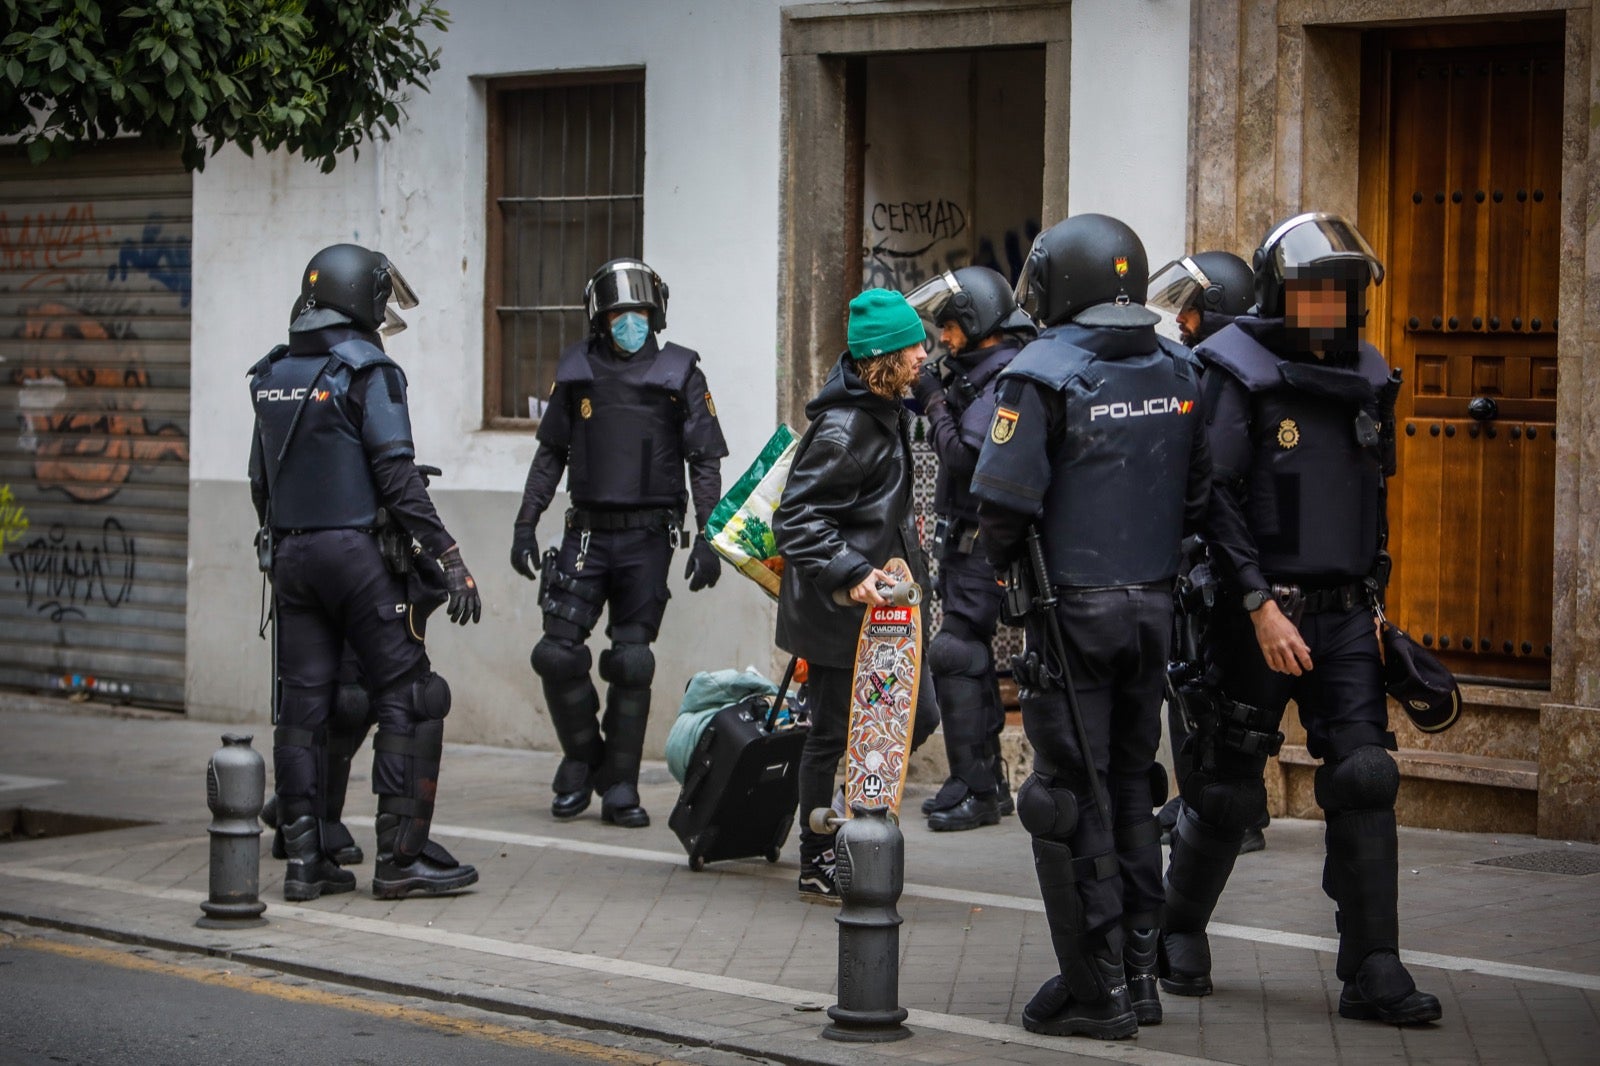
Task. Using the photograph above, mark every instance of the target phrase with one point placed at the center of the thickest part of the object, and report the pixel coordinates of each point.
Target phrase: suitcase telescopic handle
(783, 690)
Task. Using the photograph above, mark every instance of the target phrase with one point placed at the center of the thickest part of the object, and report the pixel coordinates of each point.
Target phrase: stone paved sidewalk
(609, 928)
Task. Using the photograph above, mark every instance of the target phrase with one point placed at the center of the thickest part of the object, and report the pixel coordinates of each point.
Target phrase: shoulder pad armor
(1242, 356)
(672, 366)
(260, 365)
(360, 354)
(573, 367)
(1050, 361)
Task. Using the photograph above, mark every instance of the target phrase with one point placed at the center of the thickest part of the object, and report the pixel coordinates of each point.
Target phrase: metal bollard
(869, 856)
(236, 781)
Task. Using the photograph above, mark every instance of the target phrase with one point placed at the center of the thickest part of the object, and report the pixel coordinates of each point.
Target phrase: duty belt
(663, 518)
(953, 536)
(1321, 601)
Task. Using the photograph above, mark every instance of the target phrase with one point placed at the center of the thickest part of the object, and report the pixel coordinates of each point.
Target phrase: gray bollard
(236, 782)
(869, 855)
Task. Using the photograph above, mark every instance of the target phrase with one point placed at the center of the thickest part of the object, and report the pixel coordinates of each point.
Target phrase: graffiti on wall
(59, 577)
(13, 518)
(163, 258)
(909, 242)
(42, 246)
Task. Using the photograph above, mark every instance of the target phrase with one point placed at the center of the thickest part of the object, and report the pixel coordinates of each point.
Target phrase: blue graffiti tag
(165, 259)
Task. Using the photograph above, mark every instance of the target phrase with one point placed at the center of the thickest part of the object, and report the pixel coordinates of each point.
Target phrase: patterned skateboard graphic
(883, 698)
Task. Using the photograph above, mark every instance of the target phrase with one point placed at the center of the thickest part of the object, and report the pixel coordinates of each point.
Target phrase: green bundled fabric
(740, 528)
(707, 693)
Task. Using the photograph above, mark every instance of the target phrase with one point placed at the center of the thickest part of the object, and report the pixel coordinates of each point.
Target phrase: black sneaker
(816, 881)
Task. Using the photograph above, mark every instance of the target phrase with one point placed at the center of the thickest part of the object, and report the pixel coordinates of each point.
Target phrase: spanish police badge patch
(1005, 424)
(1288, 434)
(585, 408)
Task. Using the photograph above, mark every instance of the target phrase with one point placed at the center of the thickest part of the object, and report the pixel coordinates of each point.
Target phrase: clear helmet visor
(624, 285)
(403, 295)
(1177, 286)
(1311, 240)
(1025, 290)
(392, 322)
(931, 297)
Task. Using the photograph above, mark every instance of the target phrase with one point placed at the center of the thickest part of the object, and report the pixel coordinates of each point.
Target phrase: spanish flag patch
(1005, 424)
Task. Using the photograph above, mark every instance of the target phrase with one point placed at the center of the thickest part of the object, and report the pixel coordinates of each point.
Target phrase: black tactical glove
(465, 605)
(927, 389)
(525, 551)
(705, 565)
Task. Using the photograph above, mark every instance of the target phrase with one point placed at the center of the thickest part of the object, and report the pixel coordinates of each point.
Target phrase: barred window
(566, 174)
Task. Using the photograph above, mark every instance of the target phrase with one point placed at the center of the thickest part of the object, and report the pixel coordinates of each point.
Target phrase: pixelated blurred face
(1319, 308)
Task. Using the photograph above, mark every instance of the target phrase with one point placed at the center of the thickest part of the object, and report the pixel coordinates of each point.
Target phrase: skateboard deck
(883, 696)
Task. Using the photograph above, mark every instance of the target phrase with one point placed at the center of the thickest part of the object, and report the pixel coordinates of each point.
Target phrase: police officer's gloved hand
(927, 389)
(525, 551)
(465, 605)
(705, 565)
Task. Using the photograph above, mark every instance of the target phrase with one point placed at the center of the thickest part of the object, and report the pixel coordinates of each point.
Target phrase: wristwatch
(1255, 599)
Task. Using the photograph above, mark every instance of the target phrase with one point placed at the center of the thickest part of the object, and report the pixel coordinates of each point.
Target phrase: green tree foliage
(314, 76)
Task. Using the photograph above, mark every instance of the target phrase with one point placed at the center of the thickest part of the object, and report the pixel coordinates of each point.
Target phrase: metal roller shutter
(94, 424)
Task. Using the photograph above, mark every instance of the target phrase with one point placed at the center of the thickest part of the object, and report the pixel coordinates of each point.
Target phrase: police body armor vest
(973, 406)
(324, 480)
(1312, 495)
(1113, 514)
(627, 428)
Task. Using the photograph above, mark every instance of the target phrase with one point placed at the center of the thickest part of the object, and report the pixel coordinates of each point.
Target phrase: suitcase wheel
(772, 854)
(697, 863)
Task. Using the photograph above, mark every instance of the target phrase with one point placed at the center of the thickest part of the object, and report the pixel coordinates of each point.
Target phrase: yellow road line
(323, 997)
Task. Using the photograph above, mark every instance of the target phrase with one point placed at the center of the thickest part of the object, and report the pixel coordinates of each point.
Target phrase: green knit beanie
(880, 322)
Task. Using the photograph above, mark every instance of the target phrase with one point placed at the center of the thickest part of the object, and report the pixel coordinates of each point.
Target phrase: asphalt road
(72, 1000)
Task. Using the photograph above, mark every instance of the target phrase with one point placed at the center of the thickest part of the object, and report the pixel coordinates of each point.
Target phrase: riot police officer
(624, 417)
(1301, 417)
(1097, 444)
(981, 329)
(333, 480)
(1204, 292)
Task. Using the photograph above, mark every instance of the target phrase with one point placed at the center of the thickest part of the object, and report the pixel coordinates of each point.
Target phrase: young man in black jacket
(846, 511)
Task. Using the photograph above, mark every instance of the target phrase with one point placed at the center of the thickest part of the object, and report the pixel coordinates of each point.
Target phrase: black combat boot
(1139, 951)
(433, 872)
(952, 792)
(1383, 991)
(970, 813)
(310, 872)
(573, 786)
(1054, 1011)
(620, 807)
(1185, 964)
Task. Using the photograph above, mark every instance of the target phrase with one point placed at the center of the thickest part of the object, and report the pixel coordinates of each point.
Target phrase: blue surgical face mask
(630, 331)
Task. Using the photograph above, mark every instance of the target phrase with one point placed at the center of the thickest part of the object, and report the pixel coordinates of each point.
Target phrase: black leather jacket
(846, 508)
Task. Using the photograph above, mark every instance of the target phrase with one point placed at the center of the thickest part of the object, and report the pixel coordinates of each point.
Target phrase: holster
(394, 544)
(1019, 594)
(264, 546)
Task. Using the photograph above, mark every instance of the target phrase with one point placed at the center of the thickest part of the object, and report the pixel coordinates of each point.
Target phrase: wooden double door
(1470, 192)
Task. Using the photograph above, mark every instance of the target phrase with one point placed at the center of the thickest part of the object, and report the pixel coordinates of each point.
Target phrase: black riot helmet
(623, 284)
(1210, 282)
(1088, 269)
(346, 284)
(976, 298)
(1315, 244)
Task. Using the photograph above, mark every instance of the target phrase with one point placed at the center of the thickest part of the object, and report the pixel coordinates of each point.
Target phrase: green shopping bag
(740, 528)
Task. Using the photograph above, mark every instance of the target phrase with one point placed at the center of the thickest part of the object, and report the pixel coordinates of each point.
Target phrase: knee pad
(951, 653)
(628, 665)
(430, 698)
(1366, 779)
(557, 660)
(1229, 804)
(352, 711)
(1046, 811)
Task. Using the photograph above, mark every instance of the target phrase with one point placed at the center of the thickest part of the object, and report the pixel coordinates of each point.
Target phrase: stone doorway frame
(1279, 130)
(819, 240)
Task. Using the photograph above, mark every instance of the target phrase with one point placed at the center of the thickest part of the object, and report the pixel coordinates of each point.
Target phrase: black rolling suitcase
(742, 785)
